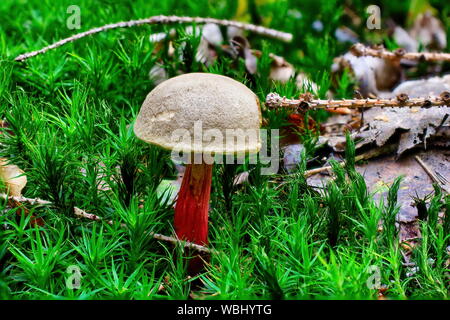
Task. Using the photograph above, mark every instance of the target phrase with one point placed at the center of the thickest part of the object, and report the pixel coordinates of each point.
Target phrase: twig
(32, 201)
(427, 169)
(83, 214)
(365, 156)
(186, 244)
(274, 100)
(431, 174)
(283, 36)
(309, 173)
(380, 52)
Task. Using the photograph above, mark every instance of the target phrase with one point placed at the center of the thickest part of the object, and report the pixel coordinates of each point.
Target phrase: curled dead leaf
(372, 74)
(429, 31)
(13, 177)
(280, 69)
(241, 48)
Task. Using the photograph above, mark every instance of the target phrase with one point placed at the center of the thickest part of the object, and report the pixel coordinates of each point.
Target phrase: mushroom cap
(200, 113)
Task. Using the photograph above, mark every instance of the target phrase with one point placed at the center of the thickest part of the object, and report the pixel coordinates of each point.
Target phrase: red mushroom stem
(191, 209)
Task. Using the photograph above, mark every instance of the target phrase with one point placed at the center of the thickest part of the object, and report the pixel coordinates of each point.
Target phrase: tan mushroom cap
(199, 113)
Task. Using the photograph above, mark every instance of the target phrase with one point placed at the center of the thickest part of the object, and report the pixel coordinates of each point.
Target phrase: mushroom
(218, 107)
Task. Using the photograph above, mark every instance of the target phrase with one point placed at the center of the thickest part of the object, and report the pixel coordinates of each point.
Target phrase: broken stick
(274, 100)
(283, 36)
(380, 52)
(83, 214)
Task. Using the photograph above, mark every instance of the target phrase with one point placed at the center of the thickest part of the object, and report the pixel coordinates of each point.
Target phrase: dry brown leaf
(414, 125)
(405, 40)
(233, 32)
(291, 156)
(305, 83)
(211, 38)
(373, 75)
(15, 180)
(431, 87)
(13, 177)
(345, 34)
(429, 31)
(211, 33)
(158, 74)
(241, 48)
(280, 69)
(241, 178)
(379, 173)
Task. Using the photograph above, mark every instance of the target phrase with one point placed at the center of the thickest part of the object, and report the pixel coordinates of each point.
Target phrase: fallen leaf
(431, 87)
(413, 128)
(291, 156)
(380, 172)
(15, 180)
(234, 32)
(280, 69)
(158, 74)
(405, 40)
(211, 33)
(305, 83)
(13, 177)
(414, 125)
(429, 31)
(241, 178)
(241, 48)
(211, 38)
(345, 34)
(372, 74)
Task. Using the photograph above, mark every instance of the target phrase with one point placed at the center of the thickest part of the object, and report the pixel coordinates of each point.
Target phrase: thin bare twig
(365, 156)
(380, 52)
(431, 174)
(274, 100)
(83, 214)
(32, 201)
(272, 33)
(387, 148)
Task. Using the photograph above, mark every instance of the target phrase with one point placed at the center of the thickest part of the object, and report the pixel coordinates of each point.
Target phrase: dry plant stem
(427, 169)
(361, 50)
(283, 36)
(274, 100)
(83, 214)
(32, 201)
(365, 156)
(430, 173)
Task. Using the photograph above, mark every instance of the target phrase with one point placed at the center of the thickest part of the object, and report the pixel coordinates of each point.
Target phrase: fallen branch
(380, 52)
(387, 148)
(283, 36)
(274, 100)
(32, 201)
(83, 214)
(365, 156)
